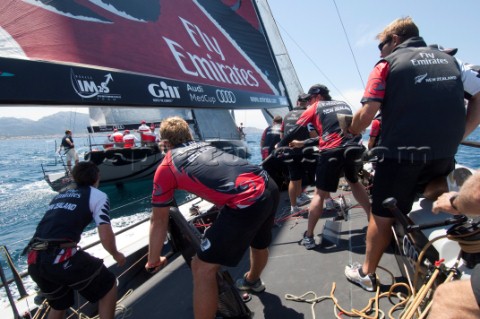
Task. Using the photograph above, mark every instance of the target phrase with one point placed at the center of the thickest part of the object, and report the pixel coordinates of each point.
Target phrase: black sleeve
(311, 141)
(293, 134)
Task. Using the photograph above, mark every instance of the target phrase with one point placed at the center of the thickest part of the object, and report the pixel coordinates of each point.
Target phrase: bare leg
(454, 300)
(69, 166)
(56, 314)
(315, 210)
(379, 235)
(294, 189)
(360, 194)
(106, 305)
(205, 290)
(258, 261)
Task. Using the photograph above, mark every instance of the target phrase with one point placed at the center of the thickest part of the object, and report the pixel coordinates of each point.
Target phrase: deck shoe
(353, 274)
(244, 284)
(295, 210)
(303, 199)
(308, 242)
(331, 204)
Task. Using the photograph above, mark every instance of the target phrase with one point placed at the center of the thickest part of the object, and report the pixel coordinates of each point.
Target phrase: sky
(333, 42)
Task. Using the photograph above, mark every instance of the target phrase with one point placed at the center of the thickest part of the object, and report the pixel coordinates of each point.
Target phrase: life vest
(129, 141)
(148, 137)
(117, 137)
(421, 100)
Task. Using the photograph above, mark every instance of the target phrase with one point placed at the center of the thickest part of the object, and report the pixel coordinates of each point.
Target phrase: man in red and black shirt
(247, 195)
(339, 154)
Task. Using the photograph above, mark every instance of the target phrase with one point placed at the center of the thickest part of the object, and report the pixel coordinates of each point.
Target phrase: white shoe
(303, 199)
(329, 204)
(295, 210)
(368, 282)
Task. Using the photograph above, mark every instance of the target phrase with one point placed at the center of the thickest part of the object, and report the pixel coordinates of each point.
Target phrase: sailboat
(132, 62)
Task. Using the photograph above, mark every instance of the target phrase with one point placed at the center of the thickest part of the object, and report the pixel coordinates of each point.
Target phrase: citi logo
(164, 91)
(420, 78)
(87, 88)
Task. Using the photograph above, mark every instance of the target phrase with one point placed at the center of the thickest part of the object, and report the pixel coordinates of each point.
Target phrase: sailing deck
(291, 270)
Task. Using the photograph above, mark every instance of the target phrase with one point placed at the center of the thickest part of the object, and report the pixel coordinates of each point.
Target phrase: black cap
(450, 51)
(318, 89)
(304, 97)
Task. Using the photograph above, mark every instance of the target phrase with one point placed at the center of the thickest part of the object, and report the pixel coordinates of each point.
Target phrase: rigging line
(311, 60)
(348, 42)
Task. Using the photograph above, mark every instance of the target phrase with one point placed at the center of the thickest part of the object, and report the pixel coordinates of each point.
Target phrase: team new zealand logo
(420, 78)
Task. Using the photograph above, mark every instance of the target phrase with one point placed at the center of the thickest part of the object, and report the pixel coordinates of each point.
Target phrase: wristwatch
(452, 199)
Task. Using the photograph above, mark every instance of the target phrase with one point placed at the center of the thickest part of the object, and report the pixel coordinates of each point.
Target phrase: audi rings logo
(224, 96)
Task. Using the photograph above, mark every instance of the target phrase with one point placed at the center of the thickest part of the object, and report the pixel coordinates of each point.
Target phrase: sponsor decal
(162, 92)
(197, 94)
(225, 96)
(423, 78)
(409, 251)
(209, 62)
(263, 99)
(6, 74)
(87, 88)
(428, 59)
(420, 78)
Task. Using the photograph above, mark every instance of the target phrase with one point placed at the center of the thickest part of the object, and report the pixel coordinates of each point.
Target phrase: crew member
(271, 136)
(149, 138)
(56, 264)
(247, 195)
(69, 147)
(143, 129)
(300, 167)
(129, 139)
(117, 138)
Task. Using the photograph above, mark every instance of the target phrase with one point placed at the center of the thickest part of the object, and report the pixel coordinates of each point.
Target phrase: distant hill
(55, 124)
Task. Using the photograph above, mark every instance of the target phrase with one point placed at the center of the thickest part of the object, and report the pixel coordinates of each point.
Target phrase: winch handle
(457, 219)
(391, 204)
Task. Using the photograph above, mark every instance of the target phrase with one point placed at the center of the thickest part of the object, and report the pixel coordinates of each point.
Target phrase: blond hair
(175, 130)
(405, 28)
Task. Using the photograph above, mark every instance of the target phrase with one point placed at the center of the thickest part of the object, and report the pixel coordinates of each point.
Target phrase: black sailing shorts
(82, 272)
(235, 230)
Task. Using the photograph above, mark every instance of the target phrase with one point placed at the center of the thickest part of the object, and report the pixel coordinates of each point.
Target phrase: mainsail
(147, 53)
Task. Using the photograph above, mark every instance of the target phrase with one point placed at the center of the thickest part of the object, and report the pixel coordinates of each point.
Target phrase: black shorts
(295, 167)
(81, 272)
(475, 281)
(403, 181)
(237, 229)
(333, 163)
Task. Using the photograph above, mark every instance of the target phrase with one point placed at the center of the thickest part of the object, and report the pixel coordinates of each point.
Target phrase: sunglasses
(383, 43)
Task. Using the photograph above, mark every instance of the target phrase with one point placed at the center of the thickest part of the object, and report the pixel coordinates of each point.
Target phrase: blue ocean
(24, 194)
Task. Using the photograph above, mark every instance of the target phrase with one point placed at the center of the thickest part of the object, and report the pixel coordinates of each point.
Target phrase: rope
(313, 301)
(371, 307)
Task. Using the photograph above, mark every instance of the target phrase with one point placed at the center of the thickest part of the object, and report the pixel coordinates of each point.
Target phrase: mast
(278, 49)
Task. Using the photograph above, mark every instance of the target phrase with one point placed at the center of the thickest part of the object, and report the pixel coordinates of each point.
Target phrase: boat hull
(119, 165)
